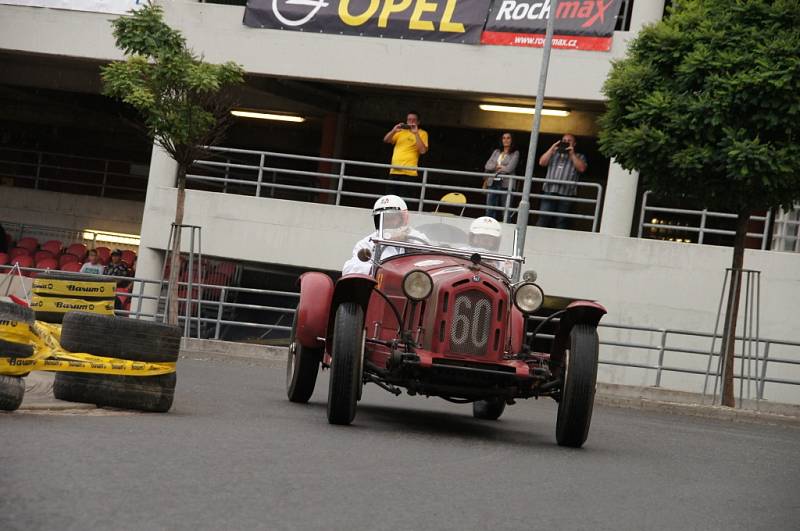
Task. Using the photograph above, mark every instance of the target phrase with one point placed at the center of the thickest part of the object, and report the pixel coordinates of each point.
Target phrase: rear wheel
(490, 409)
(301, 369)
(579, 379)
(347, 354)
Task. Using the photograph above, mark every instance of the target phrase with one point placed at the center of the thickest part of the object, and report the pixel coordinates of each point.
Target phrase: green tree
(706, 107)
(183, 101)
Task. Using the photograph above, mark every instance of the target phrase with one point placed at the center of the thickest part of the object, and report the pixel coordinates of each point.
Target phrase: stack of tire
(12, 388)
(55, 294)
(121, 338)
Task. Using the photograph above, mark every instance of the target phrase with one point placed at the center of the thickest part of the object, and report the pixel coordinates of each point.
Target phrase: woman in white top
(502, 162)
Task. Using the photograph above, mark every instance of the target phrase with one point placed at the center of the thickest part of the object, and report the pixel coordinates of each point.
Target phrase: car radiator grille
(470, 325)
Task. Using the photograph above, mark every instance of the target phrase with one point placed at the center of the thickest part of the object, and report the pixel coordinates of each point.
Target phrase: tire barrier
(55, 294)
(107, 361)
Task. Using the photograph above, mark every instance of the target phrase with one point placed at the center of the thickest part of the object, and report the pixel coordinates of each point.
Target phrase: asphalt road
(235, 454)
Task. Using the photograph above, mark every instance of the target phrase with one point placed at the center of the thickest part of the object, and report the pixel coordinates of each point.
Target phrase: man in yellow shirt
(410, 141)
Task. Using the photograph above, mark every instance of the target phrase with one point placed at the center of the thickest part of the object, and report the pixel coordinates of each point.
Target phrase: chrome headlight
(528, 297)
(417, 285)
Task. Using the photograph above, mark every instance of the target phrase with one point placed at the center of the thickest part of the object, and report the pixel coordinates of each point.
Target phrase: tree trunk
(174, 263)
(728, 347)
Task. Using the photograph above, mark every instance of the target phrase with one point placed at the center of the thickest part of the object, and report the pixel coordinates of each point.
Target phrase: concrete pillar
(150, 262)
(619, 201)
(645, 13)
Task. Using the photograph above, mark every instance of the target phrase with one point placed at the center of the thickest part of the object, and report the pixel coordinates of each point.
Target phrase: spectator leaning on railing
(410, 141)
(502, 162)
(563, 164)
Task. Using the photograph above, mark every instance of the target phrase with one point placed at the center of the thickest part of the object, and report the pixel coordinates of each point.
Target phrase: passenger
(502, 163)
(395, 227)
(92, 264)
(485, 234)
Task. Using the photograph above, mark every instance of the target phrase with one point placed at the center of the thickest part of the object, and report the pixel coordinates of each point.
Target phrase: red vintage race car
(439, 318)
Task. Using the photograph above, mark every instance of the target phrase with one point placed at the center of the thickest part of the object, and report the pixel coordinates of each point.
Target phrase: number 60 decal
(470, 321)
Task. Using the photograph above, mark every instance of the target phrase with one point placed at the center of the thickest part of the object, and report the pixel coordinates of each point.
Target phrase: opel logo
(315, 6)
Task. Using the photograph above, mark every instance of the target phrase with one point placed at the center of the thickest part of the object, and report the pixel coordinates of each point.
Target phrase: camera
(562, 146)
(405, 126)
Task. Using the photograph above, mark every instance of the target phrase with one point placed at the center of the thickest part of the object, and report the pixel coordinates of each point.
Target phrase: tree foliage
(706, 105)
(184, 102)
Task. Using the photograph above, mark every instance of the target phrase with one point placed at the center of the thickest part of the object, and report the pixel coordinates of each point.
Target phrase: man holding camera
(563, 164)
(410, 141)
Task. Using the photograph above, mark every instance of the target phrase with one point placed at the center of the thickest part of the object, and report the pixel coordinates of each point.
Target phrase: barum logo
(86, 289)
(590, 11)
(8, 323)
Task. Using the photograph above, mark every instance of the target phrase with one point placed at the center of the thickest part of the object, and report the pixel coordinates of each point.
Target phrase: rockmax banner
(579, 24)
(459, 21)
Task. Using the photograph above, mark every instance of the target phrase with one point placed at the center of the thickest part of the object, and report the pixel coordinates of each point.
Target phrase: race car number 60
(468, 320)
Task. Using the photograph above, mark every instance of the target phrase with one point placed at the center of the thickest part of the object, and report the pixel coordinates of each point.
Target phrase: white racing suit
(354, 265)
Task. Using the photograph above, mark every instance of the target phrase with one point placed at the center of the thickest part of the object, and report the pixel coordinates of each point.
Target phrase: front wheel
(301, 368)
(347, 353)
(490, 409)
(579, 378)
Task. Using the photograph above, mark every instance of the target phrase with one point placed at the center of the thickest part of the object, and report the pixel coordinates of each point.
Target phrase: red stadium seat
(18, 251)
(75, 267)
(47, 263)
(104, 253)
(23, 260)
(31, 244)
(226, 268)
(42, 255)
(77, 249)
(4, 259)
(65, 259)
(129, 257)
(54, 246)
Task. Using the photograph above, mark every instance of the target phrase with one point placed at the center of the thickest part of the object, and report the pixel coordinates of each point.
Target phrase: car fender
(517, 330)
(316, 294)
(577, 312)
(350, 288)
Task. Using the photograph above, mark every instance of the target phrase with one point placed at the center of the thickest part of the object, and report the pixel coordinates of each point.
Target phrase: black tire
(15, 350)
(14, 312)
(76, 277)
(301, 369)
(50, 317)
(12, 390)
(142, 393)
(347, 353)
(490, 409)
(120, 337)
(577, 391)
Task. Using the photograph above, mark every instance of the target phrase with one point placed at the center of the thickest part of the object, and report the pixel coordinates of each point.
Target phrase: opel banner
(579, 25)
(458, 21)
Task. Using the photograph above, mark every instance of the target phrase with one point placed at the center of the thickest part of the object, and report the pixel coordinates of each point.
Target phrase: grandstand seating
(47, 263)
(31, 244)
(78, 250)
(129, 257)
(71, 266)
(4, 258)
(41, 255)
(65, 259)
(104, 253)
(24, 260)
(54, 246)
(18, 251)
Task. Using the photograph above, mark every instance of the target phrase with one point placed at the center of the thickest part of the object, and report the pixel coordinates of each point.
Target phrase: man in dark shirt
(117, 268)
(563, 164)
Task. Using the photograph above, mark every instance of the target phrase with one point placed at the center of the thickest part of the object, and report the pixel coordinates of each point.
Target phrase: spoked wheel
(577, 393)
(347, 363)
(301, 368)
(490, 409)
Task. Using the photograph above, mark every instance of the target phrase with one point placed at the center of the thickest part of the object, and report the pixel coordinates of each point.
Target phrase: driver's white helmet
(485, 232)
(390, 204)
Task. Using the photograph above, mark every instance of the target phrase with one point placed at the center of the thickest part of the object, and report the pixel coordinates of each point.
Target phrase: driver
(395, 227)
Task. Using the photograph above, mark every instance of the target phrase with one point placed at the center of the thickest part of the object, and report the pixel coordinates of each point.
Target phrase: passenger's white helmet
(390, 203)
(485, 232)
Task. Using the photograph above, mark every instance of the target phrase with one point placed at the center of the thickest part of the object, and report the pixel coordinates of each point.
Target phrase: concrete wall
(69, 211)
(217, 32)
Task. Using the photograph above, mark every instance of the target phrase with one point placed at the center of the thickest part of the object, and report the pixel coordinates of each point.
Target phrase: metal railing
(344, 182)
(676, 351)
(44, 170)
(786, 232)
(702, 229)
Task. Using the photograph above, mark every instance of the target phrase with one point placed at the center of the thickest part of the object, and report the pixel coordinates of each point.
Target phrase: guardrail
(752, 367)
(343, 182)
(786, 232)
(45, 170)
(702, 228)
